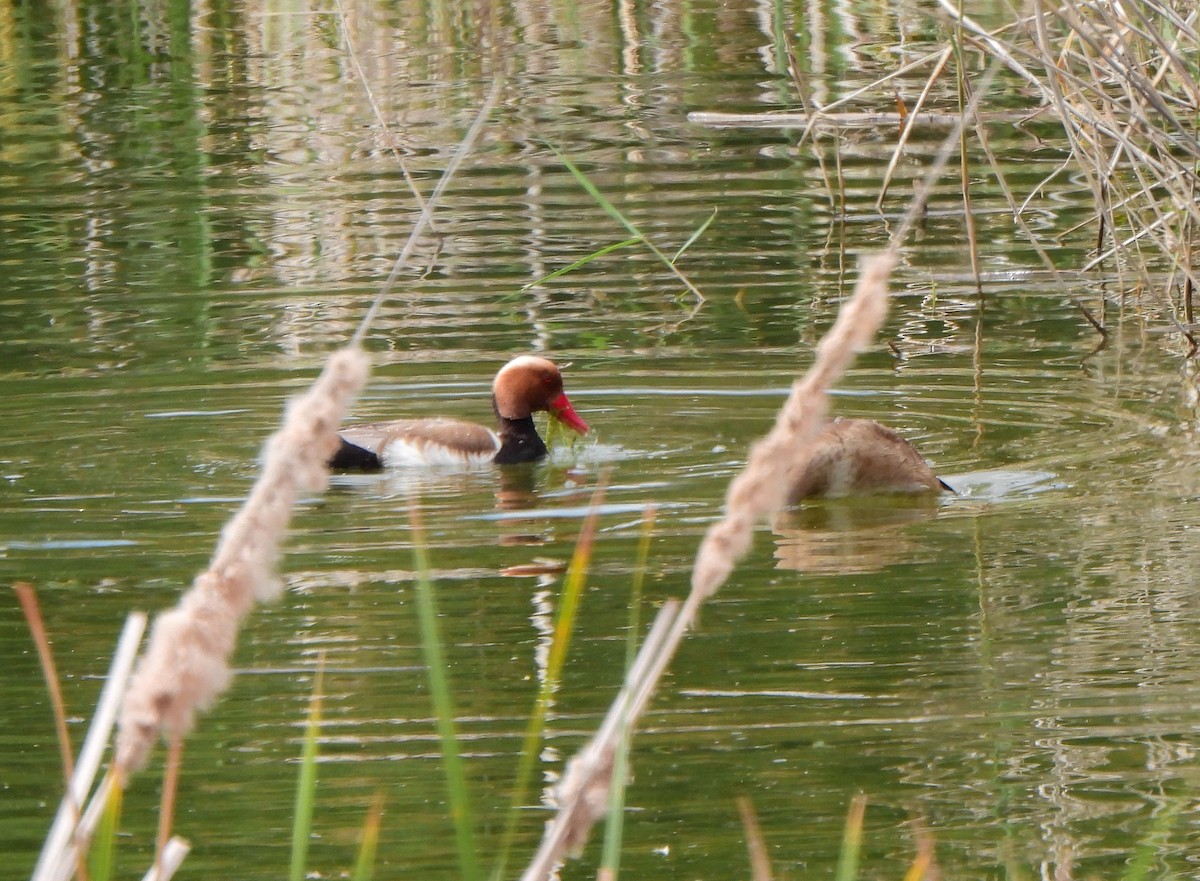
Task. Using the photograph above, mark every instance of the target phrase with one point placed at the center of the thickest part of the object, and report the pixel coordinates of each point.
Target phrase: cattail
(760, 489)
(186, 665)
(757, 492)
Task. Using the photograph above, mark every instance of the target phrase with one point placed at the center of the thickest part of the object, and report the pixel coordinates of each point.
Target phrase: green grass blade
(612, 211)
(639, 579)
(368, 845)
(306, 783)
(102, 855)
(614, 825)
(568, 608)
(564, 623)
(583, 261)
(694, 236)
(439, 687)
(847, 867)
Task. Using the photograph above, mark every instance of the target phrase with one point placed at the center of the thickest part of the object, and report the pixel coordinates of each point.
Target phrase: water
(196, 208)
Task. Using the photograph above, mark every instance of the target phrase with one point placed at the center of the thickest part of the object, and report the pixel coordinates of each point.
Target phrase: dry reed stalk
(425, 219)
(924, 865)
(583, 791)
(1124, 87)
(755, 494)
(186, 665)
(1121, 80)
(760, 490)
(168, 863)
(906, 126)
(166, 803)
(389, 137)
(964, 162)
(68, 834)
(824, 119)
(27, 596)
(760, 860)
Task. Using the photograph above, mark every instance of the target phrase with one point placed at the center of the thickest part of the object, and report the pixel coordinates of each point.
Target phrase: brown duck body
(862, 456)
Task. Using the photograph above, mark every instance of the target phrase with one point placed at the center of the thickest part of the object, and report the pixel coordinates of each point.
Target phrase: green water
(197, 204)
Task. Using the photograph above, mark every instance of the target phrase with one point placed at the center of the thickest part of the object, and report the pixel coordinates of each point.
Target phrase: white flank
(425, 454)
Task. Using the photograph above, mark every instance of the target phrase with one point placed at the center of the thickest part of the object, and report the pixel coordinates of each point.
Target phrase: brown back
(858, 455)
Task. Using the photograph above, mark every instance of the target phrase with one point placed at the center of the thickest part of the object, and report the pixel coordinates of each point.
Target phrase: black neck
(519, 441)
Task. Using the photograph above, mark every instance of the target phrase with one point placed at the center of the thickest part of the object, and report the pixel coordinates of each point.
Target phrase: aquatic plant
(185, 667)
(1120, 81)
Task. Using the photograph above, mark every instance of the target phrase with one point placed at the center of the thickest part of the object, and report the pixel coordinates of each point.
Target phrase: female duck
(861, 456)
(524, 386)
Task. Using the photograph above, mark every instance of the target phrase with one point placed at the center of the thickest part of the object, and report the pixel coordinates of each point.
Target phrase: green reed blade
(564, 623)
(847, 867)
(102, 854)
(612, 211)
(700, 230)
(443, 705)
(583, 261)
(306, 782)
(614, 824)
(649, 516)
(368, 845)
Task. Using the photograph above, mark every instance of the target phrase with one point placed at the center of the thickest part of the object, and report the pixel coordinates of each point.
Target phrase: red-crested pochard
(861, 456)
(521, 388)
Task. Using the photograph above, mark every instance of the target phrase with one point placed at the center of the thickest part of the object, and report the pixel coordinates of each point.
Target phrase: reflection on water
(854, 535)
(197, 203)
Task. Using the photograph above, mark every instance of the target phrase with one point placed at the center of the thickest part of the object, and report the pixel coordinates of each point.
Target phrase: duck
(853, 456)
(525, 385)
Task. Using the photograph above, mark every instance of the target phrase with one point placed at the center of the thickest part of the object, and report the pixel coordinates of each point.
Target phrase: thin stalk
(27, 596)
(564, 623)
(964, 156)
(426, 216)
(906, 127)
(612, 211)
(916, 208)
(306, 780)
(847, 867)
(802, 92)
(1189, 282)
(583, 261)
(166, 808)
(572, 594)
(614, 825)
(649, 516)
(352, 54)
(102, 856)
(924, 860)
(37, 629)
(59, 851)
(694, 236)
(368, 845)
(168, 863)
(443, 705)
(760, 860)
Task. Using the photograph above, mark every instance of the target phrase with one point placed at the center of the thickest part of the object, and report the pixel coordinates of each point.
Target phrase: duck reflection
(874, 485)
(850, 535)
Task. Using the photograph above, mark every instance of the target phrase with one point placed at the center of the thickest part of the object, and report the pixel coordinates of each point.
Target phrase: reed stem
(443, 705)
